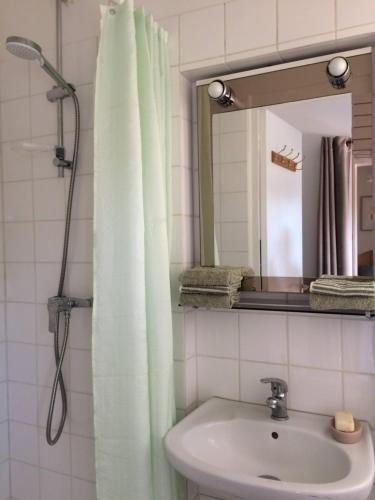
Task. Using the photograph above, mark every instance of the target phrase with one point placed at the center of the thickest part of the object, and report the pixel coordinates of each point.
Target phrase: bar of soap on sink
(344, 421)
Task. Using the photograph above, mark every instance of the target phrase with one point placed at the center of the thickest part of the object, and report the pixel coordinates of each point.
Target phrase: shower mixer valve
(63, 304)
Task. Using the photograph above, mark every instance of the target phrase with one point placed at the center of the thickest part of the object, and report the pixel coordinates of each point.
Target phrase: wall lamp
(338, 72)
(221, 93)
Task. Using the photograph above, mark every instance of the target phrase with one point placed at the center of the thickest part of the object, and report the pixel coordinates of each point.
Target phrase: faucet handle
(278, 386)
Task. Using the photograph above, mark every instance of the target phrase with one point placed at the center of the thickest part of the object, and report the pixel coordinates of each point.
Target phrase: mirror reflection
(290, 197)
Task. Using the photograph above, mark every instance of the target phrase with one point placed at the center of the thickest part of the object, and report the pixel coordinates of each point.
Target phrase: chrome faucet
(278, 401)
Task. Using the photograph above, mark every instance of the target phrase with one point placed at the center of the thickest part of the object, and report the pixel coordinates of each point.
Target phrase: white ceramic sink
(228, 446)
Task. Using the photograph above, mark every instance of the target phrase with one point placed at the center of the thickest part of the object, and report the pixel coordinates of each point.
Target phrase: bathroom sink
(236, 449)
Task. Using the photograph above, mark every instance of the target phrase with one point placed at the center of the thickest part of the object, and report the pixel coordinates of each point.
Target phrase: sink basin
(236, 449)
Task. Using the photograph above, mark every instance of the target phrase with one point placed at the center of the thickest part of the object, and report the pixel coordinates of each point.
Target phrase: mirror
(286, 183)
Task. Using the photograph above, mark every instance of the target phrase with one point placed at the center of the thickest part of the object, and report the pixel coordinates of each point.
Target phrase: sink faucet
(278, 401)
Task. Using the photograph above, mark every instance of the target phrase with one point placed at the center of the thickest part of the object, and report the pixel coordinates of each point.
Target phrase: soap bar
(344, 421)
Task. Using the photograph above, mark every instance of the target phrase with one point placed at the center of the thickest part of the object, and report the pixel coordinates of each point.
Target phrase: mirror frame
(290, 82)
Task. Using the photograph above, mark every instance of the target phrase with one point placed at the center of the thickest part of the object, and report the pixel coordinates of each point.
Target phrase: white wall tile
(49, 237)
(191, 386)
(83, 458)
(202, 34)
(263, 337)
(304, 19)
(79, 61)
(57, 457)
(351, 14)
(42, 161)
(5, 481)
(252, 390)
(218, 377)
(24, 443)
(54, 485)
(79, 280)
(85, 94)
(83, 202)
(250, 24)
(80, 371)
(315, 341)
(81, 328)
(47, 279)
(3, 362)
(217, 334)
(21, 322)
(25, 481)
(19, 242)
(22, 362)
(4, 447)
(81, 414)
(317, 391)
(81, 241)
(17, 19)
(18, 204)
(357, 396)
(23, 400)
(43, 116)
(3, 401)
(83, 490)
(358, 345)
(20, 285)
(14, 79)
(15, 162)
(80, 21)
(15, 119)
(49, 199)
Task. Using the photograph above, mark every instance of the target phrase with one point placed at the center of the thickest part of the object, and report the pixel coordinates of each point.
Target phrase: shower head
(24, 48)
(31, 51)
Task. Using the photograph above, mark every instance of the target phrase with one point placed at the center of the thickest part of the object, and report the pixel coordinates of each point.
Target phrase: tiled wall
(207, 37)
(34, 204)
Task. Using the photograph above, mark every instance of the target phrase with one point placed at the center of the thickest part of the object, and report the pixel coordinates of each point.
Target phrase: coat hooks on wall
(288, 160)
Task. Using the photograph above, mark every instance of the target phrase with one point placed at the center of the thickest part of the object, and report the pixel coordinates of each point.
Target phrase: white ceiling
(325, 116)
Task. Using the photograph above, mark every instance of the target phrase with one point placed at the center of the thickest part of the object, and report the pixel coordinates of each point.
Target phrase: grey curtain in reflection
(335, 252)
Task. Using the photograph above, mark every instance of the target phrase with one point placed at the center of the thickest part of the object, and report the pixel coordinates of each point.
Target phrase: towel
(320, 302)
(218, 276)
(212, 287)
(209, 301)
(343, 286)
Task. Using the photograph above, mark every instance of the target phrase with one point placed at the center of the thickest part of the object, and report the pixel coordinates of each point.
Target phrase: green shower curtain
(132, 325)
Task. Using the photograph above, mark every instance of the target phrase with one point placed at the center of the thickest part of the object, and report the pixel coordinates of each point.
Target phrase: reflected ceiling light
(338, 72)
(221, 93)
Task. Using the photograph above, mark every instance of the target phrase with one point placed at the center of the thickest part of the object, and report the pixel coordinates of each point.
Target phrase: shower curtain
(335, 239)
(132, 325)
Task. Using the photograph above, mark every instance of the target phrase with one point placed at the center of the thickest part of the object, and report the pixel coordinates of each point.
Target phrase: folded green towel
(219, 276)
(209, 301)
(343, 286)
(210, 290)
(321, 302)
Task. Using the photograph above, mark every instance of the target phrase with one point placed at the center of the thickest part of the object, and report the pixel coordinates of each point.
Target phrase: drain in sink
(268, 476)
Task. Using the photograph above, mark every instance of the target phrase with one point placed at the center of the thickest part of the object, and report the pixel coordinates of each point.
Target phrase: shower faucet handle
(58, 304)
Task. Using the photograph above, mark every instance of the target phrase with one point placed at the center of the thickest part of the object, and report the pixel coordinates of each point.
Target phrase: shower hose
(58, 382)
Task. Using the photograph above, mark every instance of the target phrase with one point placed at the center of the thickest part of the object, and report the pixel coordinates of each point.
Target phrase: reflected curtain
(132, 323)
(335, 241)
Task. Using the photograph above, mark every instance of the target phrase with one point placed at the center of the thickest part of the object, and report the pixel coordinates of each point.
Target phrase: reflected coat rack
(284, 161)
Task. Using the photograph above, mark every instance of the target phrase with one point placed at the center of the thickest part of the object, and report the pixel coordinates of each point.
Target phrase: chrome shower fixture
(338, 72)
(31, 51)
(221, 93)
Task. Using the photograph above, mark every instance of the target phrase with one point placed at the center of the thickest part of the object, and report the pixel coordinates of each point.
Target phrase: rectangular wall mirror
(286, 174)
